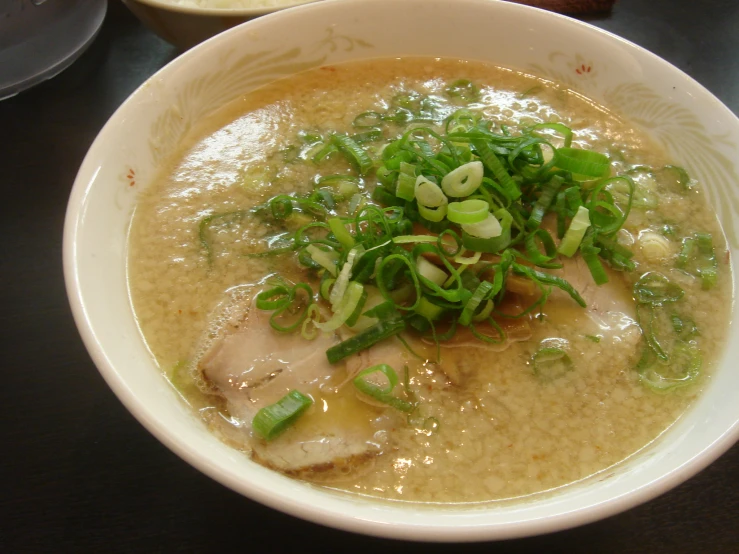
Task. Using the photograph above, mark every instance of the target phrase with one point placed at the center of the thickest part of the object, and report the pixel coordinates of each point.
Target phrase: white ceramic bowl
(186, 25)
(695, 128)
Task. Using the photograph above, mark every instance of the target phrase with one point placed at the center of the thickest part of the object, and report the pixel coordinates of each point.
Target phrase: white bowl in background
(187, 25)
(696, 129)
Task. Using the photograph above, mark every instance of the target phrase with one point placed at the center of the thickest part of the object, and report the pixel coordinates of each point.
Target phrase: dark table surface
(79, 474)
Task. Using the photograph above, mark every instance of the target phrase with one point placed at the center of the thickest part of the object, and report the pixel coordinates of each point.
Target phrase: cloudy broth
(487, 426)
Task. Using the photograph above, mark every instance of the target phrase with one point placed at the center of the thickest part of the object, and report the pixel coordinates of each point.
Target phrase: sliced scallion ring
(468, 211)
(551, 363)
(428, 193)
(274, 298)
(379, 393)
(435, 215)
(274, 419)
(682, 369)
(486, 229)
(655, 289)
(463, 180)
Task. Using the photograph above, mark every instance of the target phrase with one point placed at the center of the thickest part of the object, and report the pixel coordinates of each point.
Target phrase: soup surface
(567, 393)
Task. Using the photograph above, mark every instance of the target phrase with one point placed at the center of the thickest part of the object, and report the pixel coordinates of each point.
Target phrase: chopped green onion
(463, 180)
(206, 223)
(353, 152)
(551, 363)
(340, 232)
(481, 293)
(274, 419)
(543, 238)
(325, 258)
(383, 196)
(428, 309)
(582, 162)
(367, 119)
(549, 191)
(326, 150)
(432, 202)
(281, 206)
(411, 239)
(476, 244)
(325, 290)
(682, 367)
(491, 161)
(430, 271)
(274, 298)
(429, 193)
(433, 214)
(383, 310)
(485, 229)
(547, 279)
(703, 262)
(406, 188)
(460, 259)
(361, 341)
(485, 312)
(464, 89)
(379, 393)
(682, 177)
(564, 130)
(575, 232)
(648, 331)
(342, 281)
(655, 289)
(295, 307)
(348, 309)
(468, 211)
(605, 216)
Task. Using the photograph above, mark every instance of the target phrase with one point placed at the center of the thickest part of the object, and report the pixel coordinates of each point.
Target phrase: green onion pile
(455, 209)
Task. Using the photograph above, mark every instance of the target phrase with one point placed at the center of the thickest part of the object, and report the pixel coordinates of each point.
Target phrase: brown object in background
(571, 6)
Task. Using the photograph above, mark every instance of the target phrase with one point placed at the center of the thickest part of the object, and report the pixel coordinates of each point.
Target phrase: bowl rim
(220, 12)
(462, 532)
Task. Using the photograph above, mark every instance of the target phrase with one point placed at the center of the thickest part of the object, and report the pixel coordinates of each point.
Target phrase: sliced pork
(252, 366)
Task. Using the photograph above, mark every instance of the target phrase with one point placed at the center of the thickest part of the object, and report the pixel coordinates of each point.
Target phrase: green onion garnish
(551, 363)
(681, 369)
(486, 229)
(698, 257)
(463, 181)
(365, 339)
(292, 310)
(655, 289)
(463, 89)
(468, 211)
(475, 190)
(575, 232)
(274, 419)
(353, 152)
(582, 162)
(379, 393)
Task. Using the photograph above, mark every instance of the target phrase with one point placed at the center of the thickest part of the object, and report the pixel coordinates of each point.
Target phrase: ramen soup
(429, 280)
